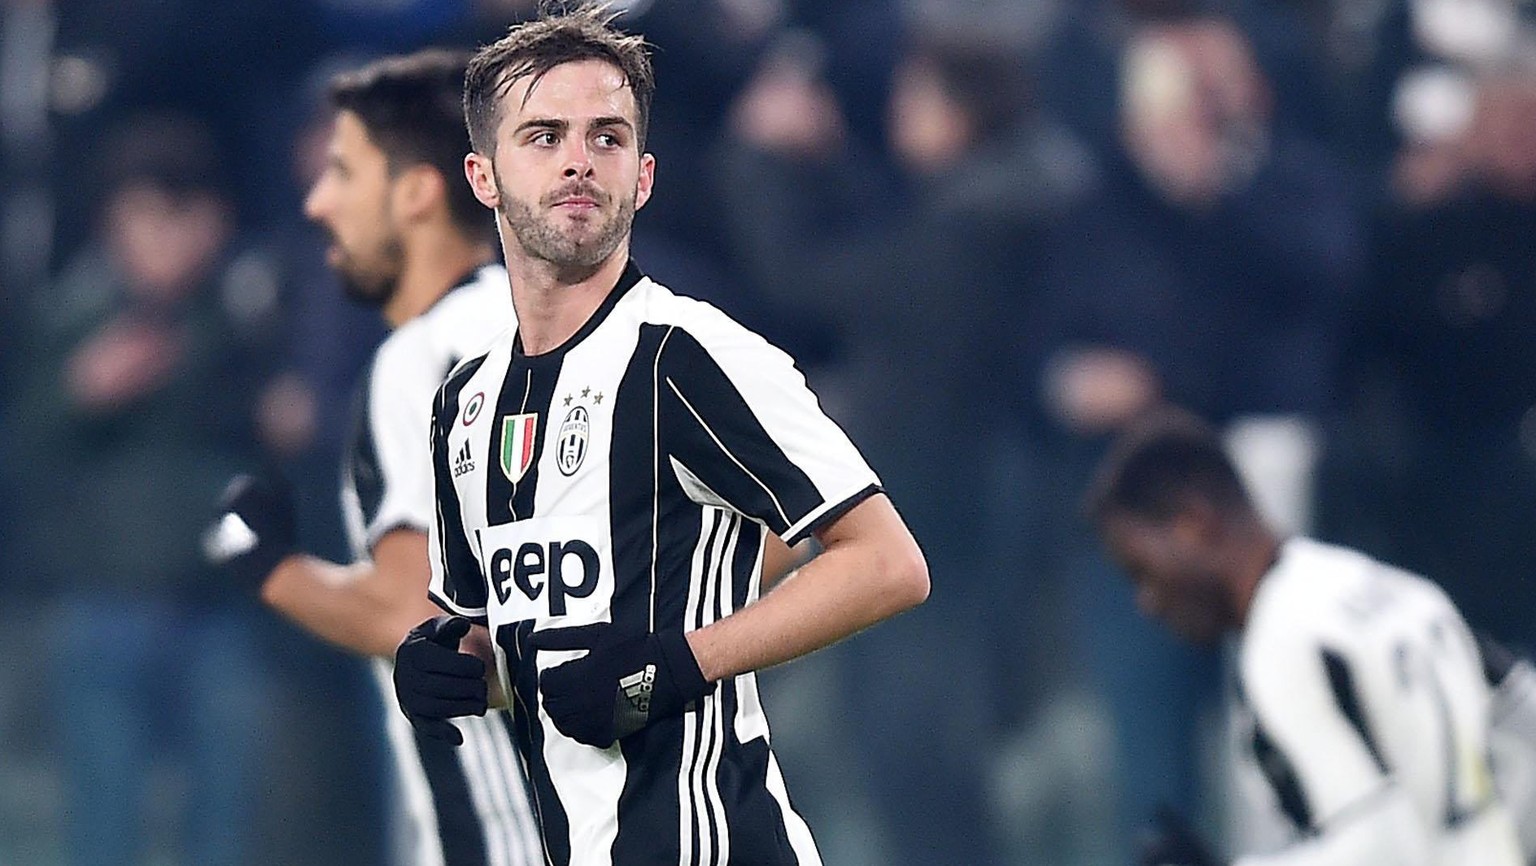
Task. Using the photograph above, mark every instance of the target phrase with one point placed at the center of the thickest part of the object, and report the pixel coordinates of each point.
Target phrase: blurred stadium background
(990, 230)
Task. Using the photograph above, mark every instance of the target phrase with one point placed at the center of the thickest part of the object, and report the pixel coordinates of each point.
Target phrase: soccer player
(1364, 695)
(407, 235)
(607, 480)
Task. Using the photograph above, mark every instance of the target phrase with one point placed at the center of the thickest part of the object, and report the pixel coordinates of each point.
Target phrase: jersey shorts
(630, 477)
(463, 806)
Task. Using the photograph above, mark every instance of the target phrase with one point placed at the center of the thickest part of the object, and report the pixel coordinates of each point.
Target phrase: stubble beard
(375, 285)
(542, 239)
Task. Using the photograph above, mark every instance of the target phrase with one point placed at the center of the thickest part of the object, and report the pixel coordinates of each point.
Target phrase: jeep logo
(532, 567)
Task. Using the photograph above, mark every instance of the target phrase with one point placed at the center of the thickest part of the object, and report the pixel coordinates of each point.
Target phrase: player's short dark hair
(1161, 463)
(410, 106)
(584, 31)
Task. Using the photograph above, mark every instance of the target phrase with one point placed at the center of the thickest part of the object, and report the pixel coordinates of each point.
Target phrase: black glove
(1172, 842)
(621, 685)
(434, 682)
(254, 530)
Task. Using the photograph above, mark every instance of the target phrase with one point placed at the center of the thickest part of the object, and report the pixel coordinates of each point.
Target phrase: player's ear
(647, 179)
(481, 175)
(417, 190)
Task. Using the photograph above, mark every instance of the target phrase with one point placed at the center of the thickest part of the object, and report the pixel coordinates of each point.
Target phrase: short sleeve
(744, 428)
(400, 394)
(457, 584)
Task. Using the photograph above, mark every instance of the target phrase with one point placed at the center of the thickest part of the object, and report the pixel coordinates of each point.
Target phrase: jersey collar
(629, 279)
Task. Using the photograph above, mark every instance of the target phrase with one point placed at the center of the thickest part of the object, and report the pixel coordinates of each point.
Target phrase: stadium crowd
(992, 232)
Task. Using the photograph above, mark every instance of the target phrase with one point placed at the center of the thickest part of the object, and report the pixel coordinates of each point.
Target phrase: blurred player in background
(1363, 690)
(408, 236)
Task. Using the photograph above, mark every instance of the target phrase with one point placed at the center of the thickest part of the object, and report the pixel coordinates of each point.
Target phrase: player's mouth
(580, 203)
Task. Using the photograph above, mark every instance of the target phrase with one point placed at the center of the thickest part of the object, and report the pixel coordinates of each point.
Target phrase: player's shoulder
(699, 322)
(463, 322)
(1302, 601)
(491, 358)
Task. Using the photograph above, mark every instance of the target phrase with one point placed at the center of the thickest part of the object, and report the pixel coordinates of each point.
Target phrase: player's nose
(317, 202)
(578, 160)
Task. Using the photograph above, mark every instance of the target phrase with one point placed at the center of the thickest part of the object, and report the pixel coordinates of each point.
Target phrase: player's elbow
(906, 575)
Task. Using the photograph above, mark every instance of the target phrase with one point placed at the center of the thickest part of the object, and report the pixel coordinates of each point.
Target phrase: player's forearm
(845, 589)
(348, 606)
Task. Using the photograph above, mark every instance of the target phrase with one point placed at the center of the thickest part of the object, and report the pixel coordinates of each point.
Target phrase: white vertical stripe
(686, 809)
(711, 778)
(512, 816)
(799, 834)
(690, 793)
(704, 752)
(696, 765)
(472, 759)
(656, 465)
(525, 833)
(714, 706)
(416, 796)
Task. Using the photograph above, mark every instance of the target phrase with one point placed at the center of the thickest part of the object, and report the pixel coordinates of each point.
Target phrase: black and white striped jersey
(629, 477)
(1512, 741)
(1369, 716)
(467, 806)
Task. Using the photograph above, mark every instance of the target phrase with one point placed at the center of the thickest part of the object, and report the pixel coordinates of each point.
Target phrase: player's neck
(435, 262)
(552, 303)
(1255, 555)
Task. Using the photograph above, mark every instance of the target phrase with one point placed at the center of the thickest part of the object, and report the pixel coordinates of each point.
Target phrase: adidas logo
(462, 462)
(637, 688)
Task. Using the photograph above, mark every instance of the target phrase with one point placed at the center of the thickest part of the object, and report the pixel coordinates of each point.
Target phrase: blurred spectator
(928, 278)
(1437, 443)
(1211, 270)
(1080, 80)
(141, 365)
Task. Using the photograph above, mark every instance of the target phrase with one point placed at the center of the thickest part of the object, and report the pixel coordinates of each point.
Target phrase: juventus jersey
(1368, 713)
(1512, 732)
(467, 806)
(630, 477)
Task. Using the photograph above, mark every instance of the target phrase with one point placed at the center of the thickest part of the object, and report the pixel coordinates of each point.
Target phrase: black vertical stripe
(707, 390)
(1283, 779)
(645, 497)
(708, 746)
(529, 387)
(554, 825)
(703, 740)
(1342, 681)
(754, 820)
(362, 461)
(518, 780)
(747, 545)
(458, 825)
(462, 580)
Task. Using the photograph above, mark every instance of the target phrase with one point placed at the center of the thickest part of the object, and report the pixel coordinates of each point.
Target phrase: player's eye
(545, 138)
(608, 139)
